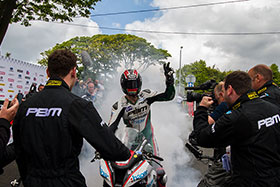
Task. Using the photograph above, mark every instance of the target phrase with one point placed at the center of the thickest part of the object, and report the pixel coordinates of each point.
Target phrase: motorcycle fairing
(124, 164)
(152, 178)
(107, 172)
(134, 158)
(137, 173)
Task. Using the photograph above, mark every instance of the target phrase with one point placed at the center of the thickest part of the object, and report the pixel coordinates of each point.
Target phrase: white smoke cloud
(171, 126)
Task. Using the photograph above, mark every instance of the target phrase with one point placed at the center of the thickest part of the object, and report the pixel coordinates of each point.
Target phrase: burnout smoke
(171, 128)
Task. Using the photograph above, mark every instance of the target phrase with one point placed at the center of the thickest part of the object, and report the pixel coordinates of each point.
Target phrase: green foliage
(51, 10)
(201, 72)
(108, 52)
(276, 73)
(24, 11)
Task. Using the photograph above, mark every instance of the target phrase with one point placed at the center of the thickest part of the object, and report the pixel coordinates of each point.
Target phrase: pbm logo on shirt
(44, 112)
(269, 121)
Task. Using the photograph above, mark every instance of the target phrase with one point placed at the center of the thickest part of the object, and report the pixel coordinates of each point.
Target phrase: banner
(17, 76)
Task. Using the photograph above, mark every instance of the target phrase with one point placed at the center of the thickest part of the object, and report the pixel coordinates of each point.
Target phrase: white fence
(17, 76)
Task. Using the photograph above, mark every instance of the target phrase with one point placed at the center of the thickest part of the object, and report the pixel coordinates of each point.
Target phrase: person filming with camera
(251, 127)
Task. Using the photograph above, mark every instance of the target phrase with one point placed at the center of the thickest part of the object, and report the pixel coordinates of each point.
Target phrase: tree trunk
(6, 10)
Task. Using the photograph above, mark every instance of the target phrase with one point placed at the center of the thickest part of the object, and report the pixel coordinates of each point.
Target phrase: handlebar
(147, 154)
(151, 155)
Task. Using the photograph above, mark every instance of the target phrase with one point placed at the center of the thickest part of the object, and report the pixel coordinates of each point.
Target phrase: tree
(108, 52)
(201, 72)
(276, 73)
(13, 11)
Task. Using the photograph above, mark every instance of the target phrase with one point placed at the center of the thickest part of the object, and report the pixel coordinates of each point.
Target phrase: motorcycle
(139, 170)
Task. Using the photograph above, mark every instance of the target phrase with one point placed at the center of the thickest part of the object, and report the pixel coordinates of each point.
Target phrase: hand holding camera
(7, 112)
(206, 101)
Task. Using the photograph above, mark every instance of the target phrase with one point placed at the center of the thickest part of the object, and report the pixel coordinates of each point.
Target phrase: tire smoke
(171, 127)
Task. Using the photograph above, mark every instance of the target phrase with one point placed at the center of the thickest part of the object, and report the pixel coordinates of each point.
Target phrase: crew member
(262, 82)
(50, 126)
(251, 127)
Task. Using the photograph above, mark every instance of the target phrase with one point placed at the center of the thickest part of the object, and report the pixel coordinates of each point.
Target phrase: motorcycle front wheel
(105, 184)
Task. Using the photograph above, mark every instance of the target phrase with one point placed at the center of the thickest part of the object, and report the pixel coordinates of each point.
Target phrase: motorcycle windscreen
(130, 137)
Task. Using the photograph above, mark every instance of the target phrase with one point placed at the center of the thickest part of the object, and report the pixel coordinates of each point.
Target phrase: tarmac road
(10, 173)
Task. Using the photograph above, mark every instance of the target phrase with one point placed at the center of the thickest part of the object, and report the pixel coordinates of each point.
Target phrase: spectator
(32, 91)
(50, 126)
(83, 86)
(99, 93)
(77, 89)
(88, 80)
(262, 82)
(6, 116)
(91, 92)
(40, 87)
(99, 86)
(251, 127)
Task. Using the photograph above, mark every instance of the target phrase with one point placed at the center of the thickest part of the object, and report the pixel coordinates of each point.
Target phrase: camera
(20, 97)
(194, 96)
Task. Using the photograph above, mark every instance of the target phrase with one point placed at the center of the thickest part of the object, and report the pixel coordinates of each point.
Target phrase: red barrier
(190, 108)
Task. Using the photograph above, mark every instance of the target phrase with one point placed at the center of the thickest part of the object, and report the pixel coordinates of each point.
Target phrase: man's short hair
(240, 82)
(60, 62)
(263, 70)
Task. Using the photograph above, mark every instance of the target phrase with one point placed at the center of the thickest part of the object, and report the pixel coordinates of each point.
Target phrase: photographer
(254, 140)
(6, 115)
(222, 106)
(261, 76)
(218, 173)
(50, 126)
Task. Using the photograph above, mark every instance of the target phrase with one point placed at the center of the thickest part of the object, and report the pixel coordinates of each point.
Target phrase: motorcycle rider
(134, 106)
(262, 82)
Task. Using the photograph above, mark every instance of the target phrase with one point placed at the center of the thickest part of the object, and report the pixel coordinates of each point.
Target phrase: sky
(225, 52)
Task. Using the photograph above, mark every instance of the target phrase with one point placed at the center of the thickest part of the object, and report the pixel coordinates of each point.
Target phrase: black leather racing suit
(48, 135)
(252, 128)
(270, 92)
